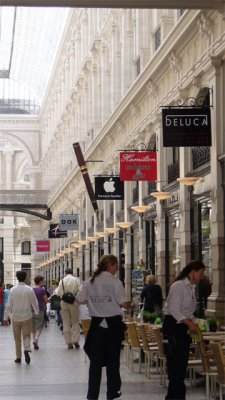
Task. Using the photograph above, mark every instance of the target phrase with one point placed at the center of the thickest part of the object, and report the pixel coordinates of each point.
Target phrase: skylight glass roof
(29, 40)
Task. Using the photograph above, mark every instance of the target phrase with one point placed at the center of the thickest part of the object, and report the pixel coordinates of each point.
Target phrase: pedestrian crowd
(103, 300)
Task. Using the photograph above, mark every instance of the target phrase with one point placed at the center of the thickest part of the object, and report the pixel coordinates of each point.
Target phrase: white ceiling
(29, 40)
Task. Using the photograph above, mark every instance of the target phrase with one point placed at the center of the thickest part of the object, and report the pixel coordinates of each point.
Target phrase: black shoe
(77, 346)
(114, 396)
(18, 360)
(27, 356)
(36, 345)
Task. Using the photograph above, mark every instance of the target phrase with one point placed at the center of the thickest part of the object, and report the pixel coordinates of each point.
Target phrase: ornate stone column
(127, 50)
(216, 302)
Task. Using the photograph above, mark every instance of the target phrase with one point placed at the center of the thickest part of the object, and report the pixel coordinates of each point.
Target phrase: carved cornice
(95, 44)
(175, 62)
(152, 89)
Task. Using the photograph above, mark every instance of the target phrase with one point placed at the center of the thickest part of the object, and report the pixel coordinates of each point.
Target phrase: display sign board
(69, 222)
(109, 188)
(55, 232)
(138, 166)
(184, 127)
(42, 245)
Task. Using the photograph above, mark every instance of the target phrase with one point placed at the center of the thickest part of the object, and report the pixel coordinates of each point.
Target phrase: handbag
(55, 303)
(67, 296)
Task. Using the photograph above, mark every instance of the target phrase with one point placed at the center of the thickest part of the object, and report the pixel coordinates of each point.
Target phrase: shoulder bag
(67, 297)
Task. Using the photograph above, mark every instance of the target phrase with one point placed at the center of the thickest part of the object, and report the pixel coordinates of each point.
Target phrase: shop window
(25, 248)
(174, 166)
(27, 268)
(206, 237)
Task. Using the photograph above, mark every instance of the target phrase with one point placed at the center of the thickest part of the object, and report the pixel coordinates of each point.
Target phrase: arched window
(25, 248)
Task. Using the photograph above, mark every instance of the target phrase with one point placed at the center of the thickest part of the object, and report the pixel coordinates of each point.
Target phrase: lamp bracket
(194, 101)
(141, 147)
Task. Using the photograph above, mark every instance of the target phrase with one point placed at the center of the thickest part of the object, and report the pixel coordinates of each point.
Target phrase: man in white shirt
(70, 312)
(21, 301)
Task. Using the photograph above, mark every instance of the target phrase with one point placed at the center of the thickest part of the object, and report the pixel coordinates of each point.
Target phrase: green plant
(213, 322)
(149, 317)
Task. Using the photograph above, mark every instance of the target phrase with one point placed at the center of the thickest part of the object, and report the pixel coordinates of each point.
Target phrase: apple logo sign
(109, 186)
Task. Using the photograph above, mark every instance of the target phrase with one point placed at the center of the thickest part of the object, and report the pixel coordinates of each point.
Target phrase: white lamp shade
(124, 225)
(161, 195)
(141, 209)
(190, 180)
(112, 230)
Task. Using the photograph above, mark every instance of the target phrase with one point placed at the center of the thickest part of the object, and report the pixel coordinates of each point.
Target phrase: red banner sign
(43, 245)
(138, 166)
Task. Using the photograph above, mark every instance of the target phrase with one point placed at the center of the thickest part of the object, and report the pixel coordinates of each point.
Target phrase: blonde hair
(150, 279)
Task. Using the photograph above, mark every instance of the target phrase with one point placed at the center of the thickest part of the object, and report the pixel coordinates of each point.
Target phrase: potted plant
(212, 322)
(149, 317)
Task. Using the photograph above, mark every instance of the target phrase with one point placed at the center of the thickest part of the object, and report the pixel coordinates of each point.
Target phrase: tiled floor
(57, 373)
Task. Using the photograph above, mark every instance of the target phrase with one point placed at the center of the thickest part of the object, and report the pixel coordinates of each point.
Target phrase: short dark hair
(21, 275)
(38, 279)
(69, 271)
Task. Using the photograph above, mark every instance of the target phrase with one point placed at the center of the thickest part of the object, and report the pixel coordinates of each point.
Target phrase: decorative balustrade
(200, 156)
(173, 171)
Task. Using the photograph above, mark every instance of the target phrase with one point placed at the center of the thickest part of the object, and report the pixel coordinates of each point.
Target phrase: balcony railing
(200, 156)
(151, 187)
(173, 171)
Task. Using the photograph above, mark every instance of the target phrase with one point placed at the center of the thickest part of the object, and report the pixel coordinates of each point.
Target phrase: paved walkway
(61, 374)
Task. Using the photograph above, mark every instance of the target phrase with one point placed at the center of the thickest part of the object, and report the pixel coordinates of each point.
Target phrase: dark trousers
(177, 357)
(104, 352)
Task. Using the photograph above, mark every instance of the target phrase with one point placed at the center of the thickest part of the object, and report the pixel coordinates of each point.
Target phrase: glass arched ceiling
(29, 40)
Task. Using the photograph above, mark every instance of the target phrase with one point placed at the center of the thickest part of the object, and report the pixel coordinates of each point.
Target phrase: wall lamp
(111, 230)
(161, 195)
(141, 210)
(76, 245)
(91, 238)
(82, 242)
(101, 234)
(124, 226)
(190, 180)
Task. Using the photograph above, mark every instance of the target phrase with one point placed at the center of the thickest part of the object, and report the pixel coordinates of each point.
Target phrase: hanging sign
(109, 188)
(69, 222)
(42, 245)
(184, 127)
(138, 166)
(55, 232)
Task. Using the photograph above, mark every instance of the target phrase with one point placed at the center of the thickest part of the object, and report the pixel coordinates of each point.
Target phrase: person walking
(21, 301)
(1, 304)
(178, 324)
(70, 312)
(105, 295)
(38, 319)
(151, 296)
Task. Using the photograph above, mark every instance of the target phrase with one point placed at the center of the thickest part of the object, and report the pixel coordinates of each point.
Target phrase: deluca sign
(69, 222)
(109, 188)
(185, 127)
